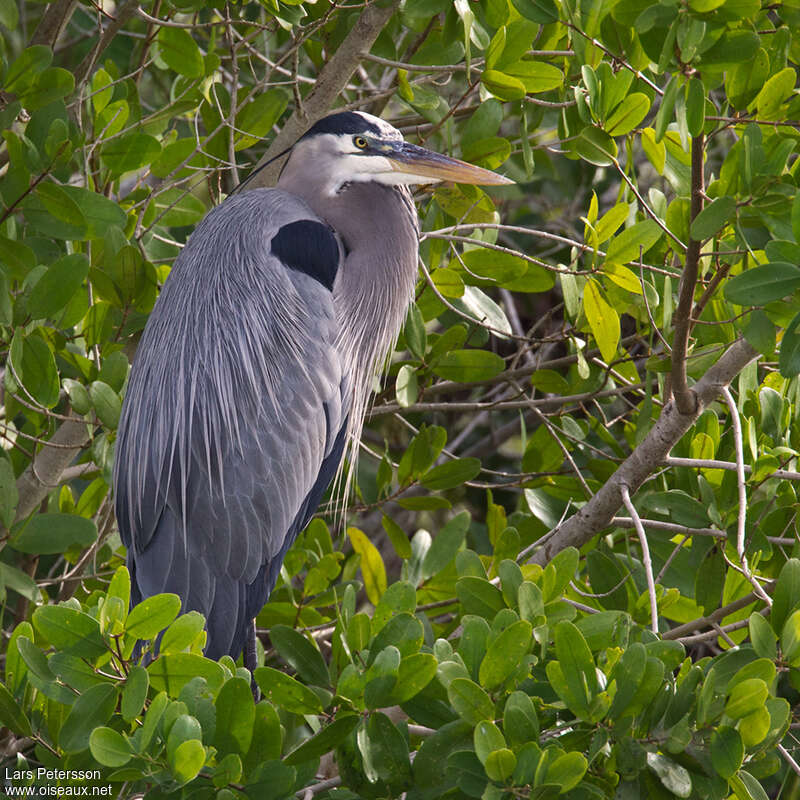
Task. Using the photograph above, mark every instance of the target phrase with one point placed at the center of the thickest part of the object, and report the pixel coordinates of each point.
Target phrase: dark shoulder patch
(343, 122)
(310, 247)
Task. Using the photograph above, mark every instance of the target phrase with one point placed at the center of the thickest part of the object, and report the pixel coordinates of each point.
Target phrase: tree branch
(329, 85)
(47, 467)
(55, 18)
(684, 396)
(598, 513)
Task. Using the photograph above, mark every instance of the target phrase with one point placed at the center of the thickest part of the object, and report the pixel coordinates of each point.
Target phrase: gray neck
(375, 284)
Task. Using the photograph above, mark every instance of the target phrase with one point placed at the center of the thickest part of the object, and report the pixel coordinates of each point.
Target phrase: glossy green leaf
(503, 86)
(451, 474)
(712, 218)
(180, 52)
(286, 692)
(324, 741)
(541, 11)
(727, 751)
(470, 702)
(91, 710)
(11, 714)
(372, 567)
(147, 619)
(628, 114)
(303, 656)
(70, 630)
(35, 368)
(54, 533)
(505, 654)
(110, 748)
(603, 320)
(130, 152)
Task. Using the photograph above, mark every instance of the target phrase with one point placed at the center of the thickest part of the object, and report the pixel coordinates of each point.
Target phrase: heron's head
(352, 146)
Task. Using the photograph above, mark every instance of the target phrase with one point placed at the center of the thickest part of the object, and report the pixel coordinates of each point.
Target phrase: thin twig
(646, 561)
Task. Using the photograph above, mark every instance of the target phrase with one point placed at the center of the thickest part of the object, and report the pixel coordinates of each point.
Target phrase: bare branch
(684, 397)
(598, 513)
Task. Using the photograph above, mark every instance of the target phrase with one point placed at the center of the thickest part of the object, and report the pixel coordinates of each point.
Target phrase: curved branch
(598, 513)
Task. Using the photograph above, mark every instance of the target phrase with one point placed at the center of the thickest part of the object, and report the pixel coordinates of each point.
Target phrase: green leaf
(789, 357)
(665, 110)
(189, 756)
(596, 147)
(323, 742)
(576, 661)
(47, 534)
(180, 52)
(35, 367)
(147, 619)
(695, 106)
(542, 11)
(536, 76)
(303, 656)
(91, 710)
(763, 637)
(406, 386)
(746, 787)
(732, 48)
(502, 86)
(397, 536)
(505, 654)
(786, 596)
(109, 748)
(567, 771)
(712, 218)
(487, 739)
(58, 202)
(639, 237)
(470, 702)
(11, 714)
(172, 672)
(132, 151)
(415, 672)
(479, 597)
(182, 634)
(603, 320)
(372, 567)
(134, 692)
(447, 542)
(500, 764)
(674, 777)
(451, 474)
(414, 331)
(727, 751)
(70, 630)
(259, 116)
(236, 713)
(285, 692)
(790, 640)
(628, 114)
(107, 403)
(520, 722)
(385, 749)
(466, 366)
(747, 696)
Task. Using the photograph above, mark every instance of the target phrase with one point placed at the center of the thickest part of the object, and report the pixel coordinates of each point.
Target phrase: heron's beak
(413, 160)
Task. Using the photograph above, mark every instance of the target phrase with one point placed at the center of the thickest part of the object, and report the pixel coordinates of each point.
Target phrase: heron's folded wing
(235, 416)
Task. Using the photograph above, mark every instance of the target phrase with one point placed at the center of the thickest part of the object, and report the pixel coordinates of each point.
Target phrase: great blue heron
(253, 373)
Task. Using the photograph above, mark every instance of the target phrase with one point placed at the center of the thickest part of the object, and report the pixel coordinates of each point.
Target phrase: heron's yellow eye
(360, 142)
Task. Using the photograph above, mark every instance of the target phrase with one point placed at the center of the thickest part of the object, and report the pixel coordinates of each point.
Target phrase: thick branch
(329, 85)
(55, 18)
(684, 396)
(598, 513)
(46, 469)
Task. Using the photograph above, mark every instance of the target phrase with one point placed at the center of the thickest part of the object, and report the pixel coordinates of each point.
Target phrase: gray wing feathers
(235, 399)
